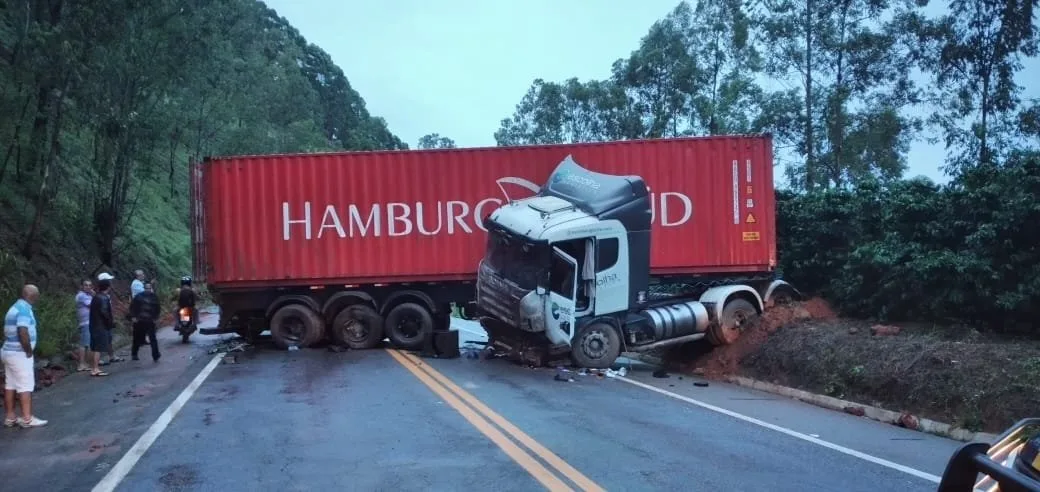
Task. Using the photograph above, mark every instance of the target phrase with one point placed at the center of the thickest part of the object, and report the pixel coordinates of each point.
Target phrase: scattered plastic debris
(565, 379)
(620, 373)
(228, 346)
(229, 359)
(702, 384)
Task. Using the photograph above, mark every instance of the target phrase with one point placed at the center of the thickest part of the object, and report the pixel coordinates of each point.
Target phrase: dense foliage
(838, 84)
(104, 104)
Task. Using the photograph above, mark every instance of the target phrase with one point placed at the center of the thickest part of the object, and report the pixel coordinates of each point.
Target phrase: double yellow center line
(482, 417)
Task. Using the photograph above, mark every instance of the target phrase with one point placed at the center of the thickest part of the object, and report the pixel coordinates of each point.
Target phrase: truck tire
(296, 324)
(358, 326)
(731, 324)
(408, 326)
(596, 346)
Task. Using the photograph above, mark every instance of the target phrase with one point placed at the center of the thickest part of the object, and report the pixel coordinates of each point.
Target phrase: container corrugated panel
(404, 216)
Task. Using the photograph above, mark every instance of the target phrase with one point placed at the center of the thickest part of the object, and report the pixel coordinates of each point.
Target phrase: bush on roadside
(55, 311)
(967, 251)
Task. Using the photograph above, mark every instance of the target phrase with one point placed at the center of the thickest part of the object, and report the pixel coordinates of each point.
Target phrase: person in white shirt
(137, 286)
(17, 356)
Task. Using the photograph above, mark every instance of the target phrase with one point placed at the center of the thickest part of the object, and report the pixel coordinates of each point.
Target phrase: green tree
(850, 64)
(981, 44)
(435, 141)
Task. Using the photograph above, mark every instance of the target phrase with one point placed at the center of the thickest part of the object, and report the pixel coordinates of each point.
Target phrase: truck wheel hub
(356, 330)
(594, 344)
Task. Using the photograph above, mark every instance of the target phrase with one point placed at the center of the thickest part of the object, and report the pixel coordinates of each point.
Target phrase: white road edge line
(784, 430)
(127, 462)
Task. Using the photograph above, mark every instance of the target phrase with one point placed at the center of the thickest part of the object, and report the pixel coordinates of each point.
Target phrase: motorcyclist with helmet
(187, 297)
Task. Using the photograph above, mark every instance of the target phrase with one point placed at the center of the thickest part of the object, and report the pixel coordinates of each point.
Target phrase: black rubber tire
(358, 326)
(408, 326)
(184, 337)
(782, 296)
(729, 328)
(596, 346)
(310, 326)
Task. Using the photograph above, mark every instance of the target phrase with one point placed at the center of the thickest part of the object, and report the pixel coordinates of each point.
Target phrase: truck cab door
(563, 287)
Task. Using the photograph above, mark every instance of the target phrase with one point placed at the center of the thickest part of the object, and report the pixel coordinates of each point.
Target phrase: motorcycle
(185, 323)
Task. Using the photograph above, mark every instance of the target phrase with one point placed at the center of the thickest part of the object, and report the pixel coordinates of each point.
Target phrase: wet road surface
(386, 420)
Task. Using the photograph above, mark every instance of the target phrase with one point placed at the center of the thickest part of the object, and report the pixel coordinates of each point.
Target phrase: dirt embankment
(950, 374)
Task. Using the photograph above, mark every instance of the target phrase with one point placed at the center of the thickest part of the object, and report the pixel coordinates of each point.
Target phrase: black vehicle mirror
(1012, 462)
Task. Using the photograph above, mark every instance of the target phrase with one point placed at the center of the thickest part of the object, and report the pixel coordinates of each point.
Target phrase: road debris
(661, 374)
(229, 359)
(857, 411)
(700, 384)
(232, 345)
(565, 379)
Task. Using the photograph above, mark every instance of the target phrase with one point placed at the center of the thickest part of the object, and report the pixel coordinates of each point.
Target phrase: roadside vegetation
(845, 88)
(104, 104)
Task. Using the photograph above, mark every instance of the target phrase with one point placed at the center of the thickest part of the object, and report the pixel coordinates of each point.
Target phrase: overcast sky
(457, 67)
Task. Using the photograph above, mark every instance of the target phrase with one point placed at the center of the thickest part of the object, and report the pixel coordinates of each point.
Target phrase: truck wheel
(296, 324)
(735, 316)
(408, 325)
(358, 327)
(597, 346)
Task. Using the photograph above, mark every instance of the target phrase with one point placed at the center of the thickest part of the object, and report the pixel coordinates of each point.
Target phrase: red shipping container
(415, 216)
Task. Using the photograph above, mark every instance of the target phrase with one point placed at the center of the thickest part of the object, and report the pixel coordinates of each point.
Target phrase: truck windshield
(516, 259)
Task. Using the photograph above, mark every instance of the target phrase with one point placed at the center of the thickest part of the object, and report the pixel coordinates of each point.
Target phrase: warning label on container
(750, 219)
(751, 236)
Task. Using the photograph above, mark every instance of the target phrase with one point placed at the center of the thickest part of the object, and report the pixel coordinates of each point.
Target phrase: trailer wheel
(735, 316)
(597, 346)
(408, 325)
(358, 327)
(296, 324)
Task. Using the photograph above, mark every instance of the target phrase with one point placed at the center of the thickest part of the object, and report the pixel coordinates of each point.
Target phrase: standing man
(144, 312)
(83, 298)
(102, 323)
(137, 287)
(17, 355)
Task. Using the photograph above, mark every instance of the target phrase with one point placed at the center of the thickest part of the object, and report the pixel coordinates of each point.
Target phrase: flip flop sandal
(99, 374)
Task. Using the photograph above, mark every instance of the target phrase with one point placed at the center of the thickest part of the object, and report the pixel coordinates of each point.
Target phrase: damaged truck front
(572, 273)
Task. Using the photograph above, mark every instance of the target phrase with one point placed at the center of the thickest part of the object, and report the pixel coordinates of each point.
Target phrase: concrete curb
(874, 413)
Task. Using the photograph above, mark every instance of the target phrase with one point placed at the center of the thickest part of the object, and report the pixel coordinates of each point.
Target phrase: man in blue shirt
(17, 355)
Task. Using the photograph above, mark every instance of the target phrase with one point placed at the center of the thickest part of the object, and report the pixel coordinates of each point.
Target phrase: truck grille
(499, 297)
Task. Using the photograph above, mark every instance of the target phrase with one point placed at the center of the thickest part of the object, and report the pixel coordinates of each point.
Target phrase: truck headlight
(532, 312)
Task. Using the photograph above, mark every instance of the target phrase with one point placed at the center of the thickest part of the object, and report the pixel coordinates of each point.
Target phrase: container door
(563, 287)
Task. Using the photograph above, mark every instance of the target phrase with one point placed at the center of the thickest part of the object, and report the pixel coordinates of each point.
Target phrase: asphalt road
(383, 420)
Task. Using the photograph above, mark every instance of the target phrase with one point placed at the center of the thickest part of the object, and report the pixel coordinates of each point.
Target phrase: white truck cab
(567, 272)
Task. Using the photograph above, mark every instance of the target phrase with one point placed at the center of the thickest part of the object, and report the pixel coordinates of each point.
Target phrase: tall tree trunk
(810, 144)
(43, 197)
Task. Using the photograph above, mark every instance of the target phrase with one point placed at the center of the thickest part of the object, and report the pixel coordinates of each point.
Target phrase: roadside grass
(156, 239)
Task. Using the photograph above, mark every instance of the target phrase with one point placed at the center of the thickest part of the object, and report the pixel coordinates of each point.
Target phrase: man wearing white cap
(102, 322)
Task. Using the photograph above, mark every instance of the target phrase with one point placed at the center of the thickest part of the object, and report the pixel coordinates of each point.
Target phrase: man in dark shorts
(102, 322)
